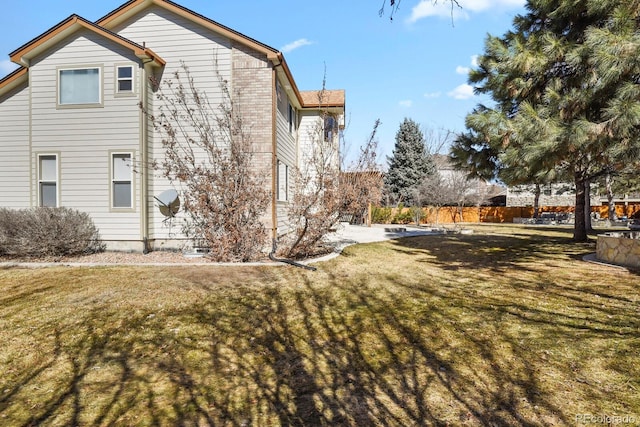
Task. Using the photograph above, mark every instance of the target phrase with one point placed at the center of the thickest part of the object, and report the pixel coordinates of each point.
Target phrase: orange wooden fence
(501, 214)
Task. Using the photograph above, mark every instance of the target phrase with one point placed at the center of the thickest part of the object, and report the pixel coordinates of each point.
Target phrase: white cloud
(406, 103)
(295, 45)
(428, 8)
(6, 67)
(480, 5)
(464, 91)
(432, 94)
(443, 8)
(465, 70)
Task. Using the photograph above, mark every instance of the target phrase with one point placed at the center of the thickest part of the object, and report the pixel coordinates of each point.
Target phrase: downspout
(144, 208)
(274, 160)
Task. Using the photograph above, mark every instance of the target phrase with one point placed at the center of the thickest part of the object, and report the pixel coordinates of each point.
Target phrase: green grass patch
(507, 326)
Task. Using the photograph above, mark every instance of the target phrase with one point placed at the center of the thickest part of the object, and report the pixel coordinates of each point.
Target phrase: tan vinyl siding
(177, 39)
(85, 135)
(309, 132)
(14, 149)
(286, 149)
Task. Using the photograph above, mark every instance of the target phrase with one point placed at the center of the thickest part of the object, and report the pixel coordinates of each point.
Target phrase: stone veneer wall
(619, 248)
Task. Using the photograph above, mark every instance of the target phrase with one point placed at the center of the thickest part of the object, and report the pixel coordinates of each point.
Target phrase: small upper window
(330, 128)
(292, 118)
(125, 79)
(79, 86)
(282, 180)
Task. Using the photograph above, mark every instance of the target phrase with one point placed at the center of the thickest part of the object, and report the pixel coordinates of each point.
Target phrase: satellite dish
(169, 203)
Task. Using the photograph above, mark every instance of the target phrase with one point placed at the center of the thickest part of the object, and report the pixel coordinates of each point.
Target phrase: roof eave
(151, 55)
(25, 53)
(324, 99)
(134, 6)
(14, 79)
(22, 55)
(281, 64)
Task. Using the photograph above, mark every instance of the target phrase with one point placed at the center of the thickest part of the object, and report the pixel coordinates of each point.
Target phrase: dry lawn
(505, 327)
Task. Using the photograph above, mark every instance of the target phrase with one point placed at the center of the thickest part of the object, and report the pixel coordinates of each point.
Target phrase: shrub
(381, 215)
(405, 216)
(43, 232)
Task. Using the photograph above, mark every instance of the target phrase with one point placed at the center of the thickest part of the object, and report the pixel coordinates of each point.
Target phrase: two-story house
(72, 132)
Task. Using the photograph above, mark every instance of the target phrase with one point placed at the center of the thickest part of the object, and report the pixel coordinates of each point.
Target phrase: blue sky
(414, 66)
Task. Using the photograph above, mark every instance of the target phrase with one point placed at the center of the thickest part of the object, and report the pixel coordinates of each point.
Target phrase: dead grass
(507, 326)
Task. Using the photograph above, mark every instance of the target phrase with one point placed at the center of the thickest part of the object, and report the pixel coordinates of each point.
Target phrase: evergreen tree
(409, 164)
(566, 86)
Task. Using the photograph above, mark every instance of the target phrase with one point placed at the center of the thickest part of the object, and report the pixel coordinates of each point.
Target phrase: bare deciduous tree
(461, 193)
(433, 191)
(361, 182)
(451, 189)
(395, 5)
(208, 155)
(315, 205)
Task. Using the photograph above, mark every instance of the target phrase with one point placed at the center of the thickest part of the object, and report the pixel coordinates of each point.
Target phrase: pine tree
(566, 86)
(409, 164)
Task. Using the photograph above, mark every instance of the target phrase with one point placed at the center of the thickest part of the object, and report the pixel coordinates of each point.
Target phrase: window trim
(117, 79)
(41, 181)
(279, 195)
(98, 104)
(292, 118)
(112, 182)
(330, 127)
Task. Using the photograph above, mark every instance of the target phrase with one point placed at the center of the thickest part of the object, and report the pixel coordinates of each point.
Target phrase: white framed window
(330, 128)
(80, 86)
(282, 181)
(292, 118)
(121, 180)
(124, 79)
(279, 93)
(48, 180)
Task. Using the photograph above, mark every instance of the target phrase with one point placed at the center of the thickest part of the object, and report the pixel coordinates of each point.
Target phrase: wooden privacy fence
(498, 214)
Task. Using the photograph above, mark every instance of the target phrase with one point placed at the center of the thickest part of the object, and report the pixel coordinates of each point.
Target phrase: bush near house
(381, 215)
(45, 232)
(403, 215)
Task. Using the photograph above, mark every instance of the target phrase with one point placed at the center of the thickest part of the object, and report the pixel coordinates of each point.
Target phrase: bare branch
(395, 5)
(208, 156)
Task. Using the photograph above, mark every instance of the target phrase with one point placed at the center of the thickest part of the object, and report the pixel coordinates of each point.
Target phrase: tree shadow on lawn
(495, 252)
(334, 352)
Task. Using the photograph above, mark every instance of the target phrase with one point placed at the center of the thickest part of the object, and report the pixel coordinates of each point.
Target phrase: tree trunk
(587, 206)
(536, 201)
(611, 214)
(579, 228)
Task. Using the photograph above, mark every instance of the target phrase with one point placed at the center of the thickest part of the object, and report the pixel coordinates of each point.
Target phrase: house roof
(104, 25)
(323, 98)
(13, 79)
(306, 100)
(132, 7)
(73, 23)
(442, 162)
